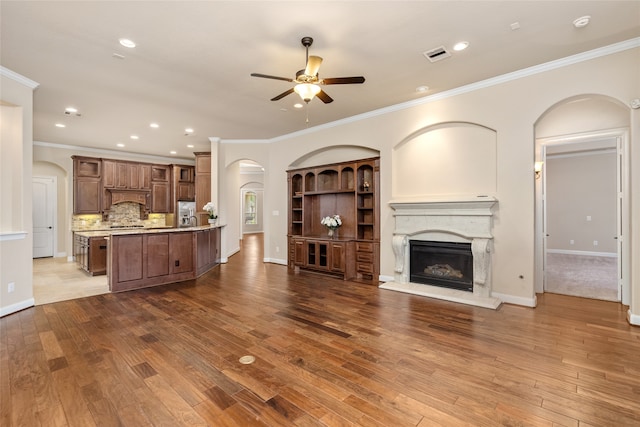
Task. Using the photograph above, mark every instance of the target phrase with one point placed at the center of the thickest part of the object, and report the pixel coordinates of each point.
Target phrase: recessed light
(188, 130)
(515, 26)
(127, 43)
(460, 46)
(173, 152)
(190, 146)
(60, 125)
(134, 137)
(298, 105)
(120, 145)
(583, 21)
(154, 125)
(422, 89)
(71, 110)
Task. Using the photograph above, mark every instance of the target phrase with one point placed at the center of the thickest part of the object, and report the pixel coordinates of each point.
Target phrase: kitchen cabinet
(160, 189)
(208, 249)
(202, 184)
(91, 254)
(143, 259)
(126, 175)
(87, 185)
(184, 183)
(351, 190)
(160, 197)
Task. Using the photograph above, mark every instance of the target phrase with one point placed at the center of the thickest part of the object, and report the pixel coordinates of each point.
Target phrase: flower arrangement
(332, 222)
(211, 210)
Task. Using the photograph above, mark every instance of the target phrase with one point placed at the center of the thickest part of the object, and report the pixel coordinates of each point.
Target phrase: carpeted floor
(582, 276)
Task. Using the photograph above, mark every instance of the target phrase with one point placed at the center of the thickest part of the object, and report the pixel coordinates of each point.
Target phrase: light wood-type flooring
(327, 353)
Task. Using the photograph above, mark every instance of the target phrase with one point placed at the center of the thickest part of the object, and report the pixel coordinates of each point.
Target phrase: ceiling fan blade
(313, 65)
(343, 80)
(322, 95)
(282, 95)
(266, 76)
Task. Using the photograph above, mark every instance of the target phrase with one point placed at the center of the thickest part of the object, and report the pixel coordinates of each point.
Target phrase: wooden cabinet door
(127, 258)
(122, 175)
(185, 191)
(97, 255)
(300, 253)
(157, 255)
(181, 252)
(87, 196)
(108, 173)
(86, 167)
(134, 176)
(203, 249)
(337, 258)
(160, 197)
(159, 173)
(144, 177)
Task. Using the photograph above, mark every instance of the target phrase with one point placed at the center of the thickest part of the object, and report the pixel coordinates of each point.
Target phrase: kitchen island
(139, 258)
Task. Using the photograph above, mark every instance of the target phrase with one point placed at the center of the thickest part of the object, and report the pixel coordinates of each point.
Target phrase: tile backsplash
(126, 213)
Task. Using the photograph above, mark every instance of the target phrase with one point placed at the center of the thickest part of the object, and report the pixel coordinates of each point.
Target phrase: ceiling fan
(307, 80)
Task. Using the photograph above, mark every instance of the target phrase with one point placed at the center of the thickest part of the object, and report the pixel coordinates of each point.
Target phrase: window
(250, 216)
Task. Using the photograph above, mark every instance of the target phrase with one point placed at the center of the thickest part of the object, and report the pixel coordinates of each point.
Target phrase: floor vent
(437, 54)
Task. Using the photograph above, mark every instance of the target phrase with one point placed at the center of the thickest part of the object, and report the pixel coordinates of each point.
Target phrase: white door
(44, 202)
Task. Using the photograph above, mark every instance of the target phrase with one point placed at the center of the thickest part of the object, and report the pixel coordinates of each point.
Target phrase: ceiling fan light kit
(307, 91)
(307, 80)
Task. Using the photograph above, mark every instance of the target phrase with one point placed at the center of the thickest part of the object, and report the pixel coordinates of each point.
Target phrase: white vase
(213, 220)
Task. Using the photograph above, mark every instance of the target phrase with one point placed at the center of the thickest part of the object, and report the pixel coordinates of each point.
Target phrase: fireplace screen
(444, 264)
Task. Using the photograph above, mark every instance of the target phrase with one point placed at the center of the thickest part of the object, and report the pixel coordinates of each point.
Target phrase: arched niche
(453, 158)
(333, 154)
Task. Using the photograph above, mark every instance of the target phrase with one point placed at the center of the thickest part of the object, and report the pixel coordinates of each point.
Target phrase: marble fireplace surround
(445, 219)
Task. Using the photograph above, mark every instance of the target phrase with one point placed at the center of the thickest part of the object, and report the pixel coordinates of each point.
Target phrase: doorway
(582, 192)
(44, 215)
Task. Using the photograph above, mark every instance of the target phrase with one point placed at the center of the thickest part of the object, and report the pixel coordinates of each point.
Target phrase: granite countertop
(127, 231)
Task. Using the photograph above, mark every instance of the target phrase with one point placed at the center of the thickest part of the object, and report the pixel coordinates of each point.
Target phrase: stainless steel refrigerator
(187, 214)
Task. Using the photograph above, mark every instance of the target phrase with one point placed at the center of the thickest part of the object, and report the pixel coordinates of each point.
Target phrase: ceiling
(192, 63)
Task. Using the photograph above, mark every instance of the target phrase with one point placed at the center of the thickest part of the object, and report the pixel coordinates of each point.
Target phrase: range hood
(134, 196)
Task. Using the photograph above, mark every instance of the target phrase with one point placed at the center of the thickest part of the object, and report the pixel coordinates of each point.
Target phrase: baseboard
(633, 319)
(511, 299)
(582, 253)
(70, 258)
(13, 308)
(61, 255)
(383, 278)
(275, 261)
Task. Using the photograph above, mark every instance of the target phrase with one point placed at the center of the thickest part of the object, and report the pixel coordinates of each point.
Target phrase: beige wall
(16, 239)
(581, 202)
(511, 109)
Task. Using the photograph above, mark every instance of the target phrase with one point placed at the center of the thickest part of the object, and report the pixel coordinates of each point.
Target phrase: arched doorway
(582, 200)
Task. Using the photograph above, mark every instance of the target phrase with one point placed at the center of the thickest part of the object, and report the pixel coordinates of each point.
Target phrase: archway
(582, 198)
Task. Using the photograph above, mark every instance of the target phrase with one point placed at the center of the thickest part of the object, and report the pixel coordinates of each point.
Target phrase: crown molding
(5, 72)
(120, 154)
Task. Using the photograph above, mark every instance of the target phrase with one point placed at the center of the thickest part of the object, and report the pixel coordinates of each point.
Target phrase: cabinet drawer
(364, 257)
(362, 267)
(364, 247)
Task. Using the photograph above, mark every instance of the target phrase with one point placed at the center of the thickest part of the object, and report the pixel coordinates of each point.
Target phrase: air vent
(437, 54)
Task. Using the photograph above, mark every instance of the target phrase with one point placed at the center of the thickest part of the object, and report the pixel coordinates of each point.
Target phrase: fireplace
(442, 248)
(444, 264)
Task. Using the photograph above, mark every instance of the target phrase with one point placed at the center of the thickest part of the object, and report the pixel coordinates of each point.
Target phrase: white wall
(16, 223)
(511, 108)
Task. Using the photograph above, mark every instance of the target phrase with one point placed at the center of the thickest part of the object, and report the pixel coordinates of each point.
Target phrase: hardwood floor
(327, 352)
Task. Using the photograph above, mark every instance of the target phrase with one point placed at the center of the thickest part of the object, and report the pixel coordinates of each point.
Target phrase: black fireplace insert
(444, 264)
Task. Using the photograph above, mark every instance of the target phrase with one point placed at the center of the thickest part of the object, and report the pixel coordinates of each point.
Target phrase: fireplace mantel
(447, 219)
